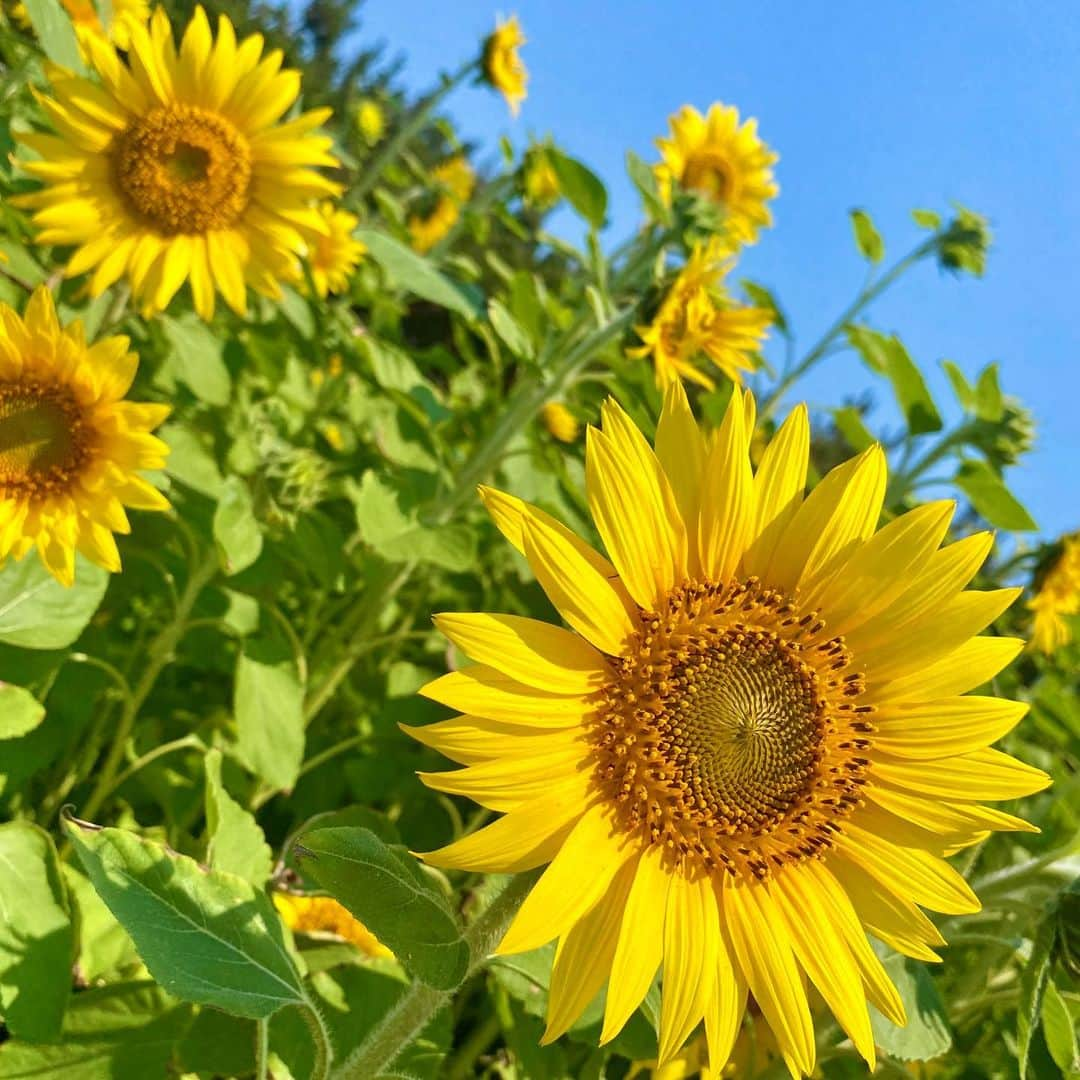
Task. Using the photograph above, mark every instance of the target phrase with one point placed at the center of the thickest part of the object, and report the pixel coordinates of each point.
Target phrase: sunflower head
(697, 319)
(371, 121)
(335, 253)
(501, 62)
(750, 745)
(540, 181)
(725, 162)
(70, 447)
(175, 165)
(1057, 597)
(454, 181)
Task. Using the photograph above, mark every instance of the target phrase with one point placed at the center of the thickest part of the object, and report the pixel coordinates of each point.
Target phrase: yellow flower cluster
(324, 915)
(1058, 596)
(455, 181)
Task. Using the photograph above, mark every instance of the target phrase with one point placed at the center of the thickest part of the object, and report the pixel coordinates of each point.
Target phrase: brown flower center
(183, 170)
(44, 439)
(709, 174)
(732, 732)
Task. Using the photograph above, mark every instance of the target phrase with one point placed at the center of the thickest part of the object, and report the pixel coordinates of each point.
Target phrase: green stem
(419, 1004)
(866, 296)
(140, 763)
(262, 1049)
(461, 1065)
(400, 139)
(160, 655)
(320, 1038)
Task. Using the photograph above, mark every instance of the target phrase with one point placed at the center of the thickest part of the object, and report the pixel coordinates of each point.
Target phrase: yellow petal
(934, 729)
(975, 662)
(724, 1015)
(982, 774)
(680, 450)
(948, 818)
(471, 739)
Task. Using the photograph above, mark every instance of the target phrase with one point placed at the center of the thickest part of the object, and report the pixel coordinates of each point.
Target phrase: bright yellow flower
(324, 915)
(541, 182)
(502, 65)
(332, 434)
(371, 120)
(751, 746)
(70, 447)
(697, 318)
(175, 167)
(1058, 595)
(455, 181)
(125, 13)
(335, 253)
(560, 421)
(716, 157)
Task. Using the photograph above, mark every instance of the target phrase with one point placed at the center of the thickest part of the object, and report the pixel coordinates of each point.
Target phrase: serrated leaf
(510, 331)
(205, 936)
(237, 533)
(1033, 982)
(989, 405)
(991, 498)
(582, 187)
(20, 711)
(121, 1032)
(37, 612)
(196, 359)
(964, 391)
(37, 941)
(416, 274)
(1059, 1031)
(927, 1034)
(927, 219)
(236, 843)
(867, 238)
(56, 34)
(268, 702)
(385, 888)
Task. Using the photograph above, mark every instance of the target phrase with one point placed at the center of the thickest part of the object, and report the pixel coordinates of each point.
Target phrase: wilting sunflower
(1058, 595)
(334, 255)
(716, 157)
(176, 167)
(698, 318)
(749, 749)
(501, 63)
(454, 183)
(70, 446)
(87, 21)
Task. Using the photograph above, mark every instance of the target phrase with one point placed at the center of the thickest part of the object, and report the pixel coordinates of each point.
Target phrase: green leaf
(867, 238)
(37, 612)
(643, 178)
(56, 34)
(236, 843)
(298, 311)
(386, 889)
(964, 391)
(196, 358)
(121, 1032)
(1033, 982)
(887, 356)
(20, 711)
(410, 271)
(205, 935)
(762, 297)
(991, 498)
(989, 405)
(511, 332)
(850, 424)
(1059, 1031)
(927, 219)
(190, 461)
(927, 1034)
(268, 701)
(37, 942)
(581, 186)
(236, 531)
(104, 946)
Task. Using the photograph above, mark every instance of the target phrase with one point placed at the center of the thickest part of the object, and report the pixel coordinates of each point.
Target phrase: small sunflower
(1058, 596)
(371, 121)
(70, 446)
(561, 423)
(454, 181)
(749, 749)
(540, 181)
(698, 318)
(335, 253)
(176, 166)
(86, 20)
(502, 64)
(725, 162)
(324, 915)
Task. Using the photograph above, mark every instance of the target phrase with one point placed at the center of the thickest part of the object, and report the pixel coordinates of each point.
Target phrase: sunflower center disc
(708, 174)
(42, 438)
(184, 170)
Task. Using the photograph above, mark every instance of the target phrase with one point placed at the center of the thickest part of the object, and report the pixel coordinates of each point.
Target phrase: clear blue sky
(887, 106)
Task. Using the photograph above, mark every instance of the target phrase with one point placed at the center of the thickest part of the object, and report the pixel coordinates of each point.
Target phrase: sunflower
(750, 746)
(175, 167)
(455, 181)
(324, 915)
(87, 22)
(698, 318)
(502, 65)
(1057, 596)
(725, 162)
(561, 423)
(336, 252)
(540, 181)
(70, 446)
(370, 120)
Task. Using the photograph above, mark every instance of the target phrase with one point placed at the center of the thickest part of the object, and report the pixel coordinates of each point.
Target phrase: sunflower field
(433, 648)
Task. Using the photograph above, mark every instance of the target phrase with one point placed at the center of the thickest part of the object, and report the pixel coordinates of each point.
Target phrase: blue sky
(887, 106)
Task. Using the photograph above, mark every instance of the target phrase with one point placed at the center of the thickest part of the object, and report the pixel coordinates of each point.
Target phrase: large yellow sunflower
(726, 162)
(502, 65)
(70, 446)
(698, 318)
(175, 166)
(334, 256)
(749, 748)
